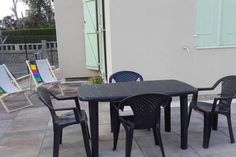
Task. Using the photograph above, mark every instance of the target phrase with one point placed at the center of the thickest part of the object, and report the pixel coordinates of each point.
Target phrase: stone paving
(28, 133)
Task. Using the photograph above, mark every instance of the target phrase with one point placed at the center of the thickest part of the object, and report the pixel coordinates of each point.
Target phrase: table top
(121, 90)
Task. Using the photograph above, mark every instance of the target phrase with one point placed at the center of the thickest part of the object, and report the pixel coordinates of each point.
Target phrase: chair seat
(69, 118)
(206, 107)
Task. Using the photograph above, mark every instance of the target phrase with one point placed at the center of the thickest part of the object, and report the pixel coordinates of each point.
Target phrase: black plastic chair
(125, 76)
(220, 105)
(121, 76)
(147, 111)
(78, 116)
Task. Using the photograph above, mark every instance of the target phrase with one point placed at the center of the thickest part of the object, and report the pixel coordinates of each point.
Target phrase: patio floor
(28, 133)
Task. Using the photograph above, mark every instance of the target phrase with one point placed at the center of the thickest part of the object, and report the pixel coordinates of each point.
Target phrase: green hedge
(30, 35)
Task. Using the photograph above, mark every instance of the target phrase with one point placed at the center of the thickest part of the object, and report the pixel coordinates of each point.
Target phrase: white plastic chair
(41, 73)
(9, 86)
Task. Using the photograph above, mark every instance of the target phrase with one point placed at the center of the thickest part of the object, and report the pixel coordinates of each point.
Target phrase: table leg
(167, 118)
(114, 115)
(215, 122)
(93, 114)
(184, 121)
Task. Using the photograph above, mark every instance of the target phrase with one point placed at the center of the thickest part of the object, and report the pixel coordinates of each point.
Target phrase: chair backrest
(45, 71)
(228, 89)
(44, 96)
(41, 71)
(34, 71)
(146, 108)
(8, 83)
(125, 76)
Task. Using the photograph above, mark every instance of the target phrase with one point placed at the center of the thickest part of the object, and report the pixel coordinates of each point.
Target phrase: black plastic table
(118, 91)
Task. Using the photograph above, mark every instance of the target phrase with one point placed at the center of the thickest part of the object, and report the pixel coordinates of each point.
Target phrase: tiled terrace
(28, 133)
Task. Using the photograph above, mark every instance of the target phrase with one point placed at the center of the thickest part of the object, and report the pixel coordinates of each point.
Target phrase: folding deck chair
(42, 73)
(9, 86)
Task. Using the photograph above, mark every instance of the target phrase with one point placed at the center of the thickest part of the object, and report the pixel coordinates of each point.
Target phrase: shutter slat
(228, 23)
(207, 22)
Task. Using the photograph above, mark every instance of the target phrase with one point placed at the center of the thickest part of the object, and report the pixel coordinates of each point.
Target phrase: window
(216, 23)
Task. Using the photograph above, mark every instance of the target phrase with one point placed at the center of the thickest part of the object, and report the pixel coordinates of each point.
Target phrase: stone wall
(18, 53)
(14, 55)
(20, 56)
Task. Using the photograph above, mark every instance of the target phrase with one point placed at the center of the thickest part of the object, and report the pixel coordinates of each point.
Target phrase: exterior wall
(149, 37)
(108, 38)
(70, 38)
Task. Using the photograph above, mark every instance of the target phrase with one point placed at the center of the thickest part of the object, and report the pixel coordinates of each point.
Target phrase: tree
(1, 25)
(14, 8)
(8, 22)
(40, 13)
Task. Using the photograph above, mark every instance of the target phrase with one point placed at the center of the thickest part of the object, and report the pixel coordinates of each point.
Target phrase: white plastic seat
(10, 86)
(41, 73)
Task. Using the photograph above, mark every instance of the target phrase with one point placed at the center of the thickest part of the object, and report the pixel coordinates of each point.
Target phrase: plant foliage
(30, 35)
(39, 14)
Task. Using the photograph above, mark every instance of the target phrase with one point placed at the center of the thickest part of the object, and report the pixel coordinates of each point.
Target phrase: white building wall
(70, 38)
(108, 37)
(148, 36)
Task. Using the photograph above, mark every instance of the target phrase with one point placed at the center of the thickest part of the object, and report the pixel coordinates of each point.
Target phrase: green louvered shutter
(208, 12)
(91, 40)
(228, 23)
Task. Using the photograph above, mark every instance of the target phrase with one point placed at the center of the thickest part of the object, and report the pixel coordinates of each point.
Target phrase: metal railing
(15, 54)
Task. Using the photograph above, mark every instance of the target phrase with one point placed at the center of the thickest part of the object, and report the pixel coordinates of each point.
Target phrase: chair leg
(29, 101)
(77, 104)
(87, 129)
(114, 114)
(160, 141)
(84, 127)
(215, 122)
(167, 111)
(16, 109)
(207, 130)
(116, 131)
(61, 132)
(61, 91)
(56, 141)
(129, 141)
(111, 116)
(155, 136)
(4, 105)
(189, 114)
(228, 116)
